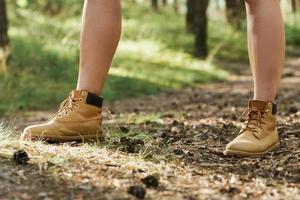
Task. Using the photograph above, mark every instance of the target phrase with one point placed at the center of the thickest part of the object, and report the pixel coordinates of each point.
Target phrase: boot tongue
(260, 105)
(253, 116)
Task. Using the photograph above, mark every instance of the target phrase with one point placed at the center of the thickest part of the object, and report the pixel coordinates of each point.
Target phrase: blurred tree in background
(4, 41)
(235, 12)
(154, 4)
(196, 17)
(165, 2)
(295, 5)
(190, 15)
(166, 44)
(196, 23)
(176, 5)
(200, 23)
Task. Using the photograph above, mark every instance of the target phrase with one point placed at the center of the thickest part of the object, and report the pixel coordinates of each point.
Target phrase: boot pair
(79, 119)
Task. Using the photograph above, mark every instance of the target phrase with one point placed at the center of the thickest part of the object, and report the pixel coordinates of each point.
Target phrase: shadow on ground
(178, 137)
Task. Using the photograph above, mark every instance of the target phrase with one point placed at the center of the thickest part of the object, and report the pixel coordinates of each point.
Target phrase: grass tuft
(8, 135)
(42, 68)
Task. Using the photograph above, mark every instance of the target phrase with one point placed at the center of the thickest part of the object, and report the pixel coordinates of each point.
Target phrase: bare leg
(259, 135)
(79, 117)
(101, 28)
(266, 44)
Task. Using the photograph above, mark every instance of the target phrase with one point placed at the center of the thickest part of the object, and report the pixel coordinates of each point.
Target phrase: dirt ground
(177, 138)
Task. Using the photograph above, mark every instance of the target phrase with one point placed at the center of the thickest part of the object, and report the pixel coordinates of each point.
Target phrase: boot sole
(74, 138)
(86, 138)
(249, 154)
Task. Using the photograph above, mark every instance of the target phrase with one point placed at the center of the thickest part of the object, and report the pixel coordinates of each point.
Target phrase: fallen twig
(215, 165)
(294, 132)
(6, 154)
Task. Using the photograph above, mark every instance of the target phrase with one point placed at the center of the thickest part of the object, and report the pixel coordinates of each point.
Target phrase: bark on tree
(176, 6)
(164, 2)
(201, 28)
(235, 12)
(295, 4)
(154, 4)
(4, 41)
(190, 15)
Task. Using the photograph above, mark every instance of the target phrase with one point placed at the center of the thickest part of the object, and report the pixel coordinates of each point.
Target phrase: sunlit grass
(8, 135)
(153, 62)
(155, 54)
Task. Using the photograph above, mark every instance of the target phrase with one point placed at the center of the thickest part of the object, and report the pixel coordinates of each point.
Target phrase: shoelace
(253, 118)
(67, 105)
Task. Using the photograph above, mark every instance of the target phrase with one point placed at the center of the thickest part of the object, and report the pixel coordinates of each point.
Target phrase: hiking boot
(258, 135)
(78, 119)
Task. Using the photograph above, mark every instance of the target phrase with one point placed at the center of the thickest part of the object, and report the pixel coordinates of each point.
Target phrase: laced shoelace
(66, 106)
(69, 105)
(252, 118)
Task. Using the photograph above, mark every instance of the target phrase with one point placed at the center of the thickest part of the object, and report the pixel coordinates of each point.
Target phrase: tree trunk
(295, 5)
(4, 41)
(235, 12)
(154, 4)
(164, 2)
(190, 15)
(201, 28)
(176, 6)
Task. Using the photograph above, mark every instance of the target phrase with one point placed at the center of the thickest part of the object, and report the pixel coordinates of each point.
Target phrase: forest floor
(177, 138)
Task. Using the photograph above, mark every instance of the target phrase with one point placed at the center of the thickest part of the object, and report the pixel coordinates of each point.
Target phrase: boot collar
(263, 105)
(87, 97)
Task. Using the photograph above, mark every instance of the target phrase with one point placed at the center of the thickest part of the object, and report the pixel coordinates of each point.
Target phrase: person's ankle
(266, 99)
(91, 91)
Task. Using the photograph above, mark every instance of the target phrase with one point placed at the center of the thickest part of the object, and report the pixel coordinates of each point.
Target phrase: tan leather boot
(78, 119)
(258, 135)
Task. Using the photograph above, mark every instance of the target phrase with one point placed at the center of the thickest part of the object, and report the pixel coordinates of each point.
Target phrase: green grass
(154, 55)
(7, 134)
(43, 65)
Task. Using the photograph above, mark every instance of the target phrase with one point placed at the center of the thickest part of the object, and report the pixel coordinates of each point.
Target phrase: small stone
(174, 103)
(175, 122)
(234, 117)
(175, 130)
(190, 154)
(288, 74)
(167, 115)
(178, 152)
(293, 110)
(137, 191)
(21, 157)
(164, 135)
(124, 129)
(150, 181)
(229, 190)
(131, 145)
(136, 110)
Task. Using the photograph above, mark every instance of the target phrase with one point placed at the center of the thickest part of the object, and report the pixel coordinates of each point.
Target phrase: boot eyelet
(77, 106)
(66, 113)
(83, 93)
(59, 116)
(72, 110)
(80, 100)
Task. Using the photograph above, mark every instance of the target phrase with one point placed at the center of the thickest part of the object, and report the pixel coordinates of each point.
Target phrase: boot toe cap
(35, 132)
(243, 146)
